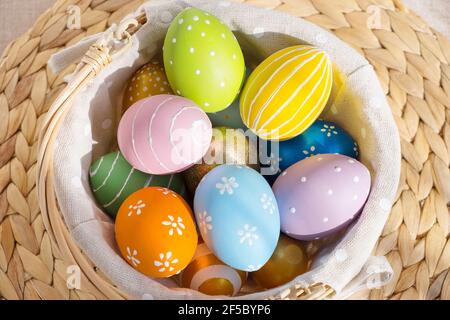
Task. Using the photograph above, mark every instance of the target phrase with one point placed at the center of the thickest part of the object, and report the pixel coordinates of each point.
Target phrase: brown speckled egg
(149, 80)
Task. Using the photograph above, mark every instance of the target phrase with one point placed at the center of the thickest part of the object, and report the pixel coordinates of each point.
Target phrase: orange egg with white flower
(155, 232)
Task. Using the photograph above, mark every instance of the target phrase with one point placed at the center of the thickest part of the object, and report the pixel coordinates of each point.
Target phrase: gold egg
(149, 80)
(287, 262)
(228, 146)
(209, 275)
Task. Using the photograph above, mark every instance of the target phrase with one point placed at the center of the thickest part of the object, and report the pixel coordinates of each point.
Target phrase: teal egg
(203, 60)
(230, 117)
(113, 179)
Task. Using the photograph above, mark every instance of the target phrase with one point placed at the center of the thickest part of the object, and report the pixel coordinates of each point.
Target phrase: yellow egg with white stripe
(287, 92)
(207, 274)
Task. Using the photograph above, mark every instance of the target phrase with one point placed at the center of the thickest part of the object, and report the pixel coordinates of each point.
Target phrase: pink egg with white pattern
(164, 134)
(321, 195)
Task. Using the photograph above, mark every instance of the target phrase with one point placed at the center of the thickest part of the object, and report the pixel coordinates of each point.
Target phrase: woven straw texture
(413, 65)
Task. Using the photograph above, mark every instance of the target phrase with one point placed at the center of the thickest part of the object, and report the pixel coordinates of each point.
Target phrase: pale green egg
(203, 60)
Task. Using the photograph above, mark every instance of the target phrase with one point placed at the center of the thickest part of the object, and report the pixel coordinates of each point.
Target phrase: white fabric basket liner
(360, 107)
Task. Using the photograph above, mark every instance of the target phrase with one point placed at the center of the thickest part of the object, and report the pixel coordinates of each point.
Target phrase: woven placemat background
(412, 62)
(17, 16)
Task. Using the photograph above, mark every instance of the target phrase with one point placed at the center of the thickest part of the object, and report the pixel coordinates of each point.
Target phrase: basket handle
(99, 55)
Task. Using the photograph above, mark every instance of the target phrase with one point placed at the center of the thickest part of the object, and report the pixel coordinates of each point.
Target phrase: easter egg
(320, 138)
(149, 80)
(237, 215)
(164, 134)
(209, 275)
(113, 179)
(231, 116)
(155, 232)
(287, 92)
(320, 195)
(287, 262)
(203, 60)
(228, 146)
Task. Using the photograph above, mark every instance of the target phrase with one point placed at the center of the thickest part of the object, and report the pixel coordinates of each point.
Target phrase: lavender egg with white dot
(320, 138)
(321, 195)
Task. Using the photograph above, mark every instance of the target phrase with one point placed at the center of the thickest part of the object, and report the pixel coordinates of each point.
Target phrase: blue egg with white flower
(321, 137)
(237, 216)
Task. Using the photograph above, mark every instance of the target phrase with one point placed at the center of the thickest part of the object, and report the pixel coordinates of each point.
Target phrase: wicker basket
(412, 62)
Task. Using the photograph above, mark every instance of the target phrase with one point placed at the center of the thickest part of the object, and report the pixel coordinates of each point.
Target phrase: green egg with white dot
(113, 179)
(203, 60)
